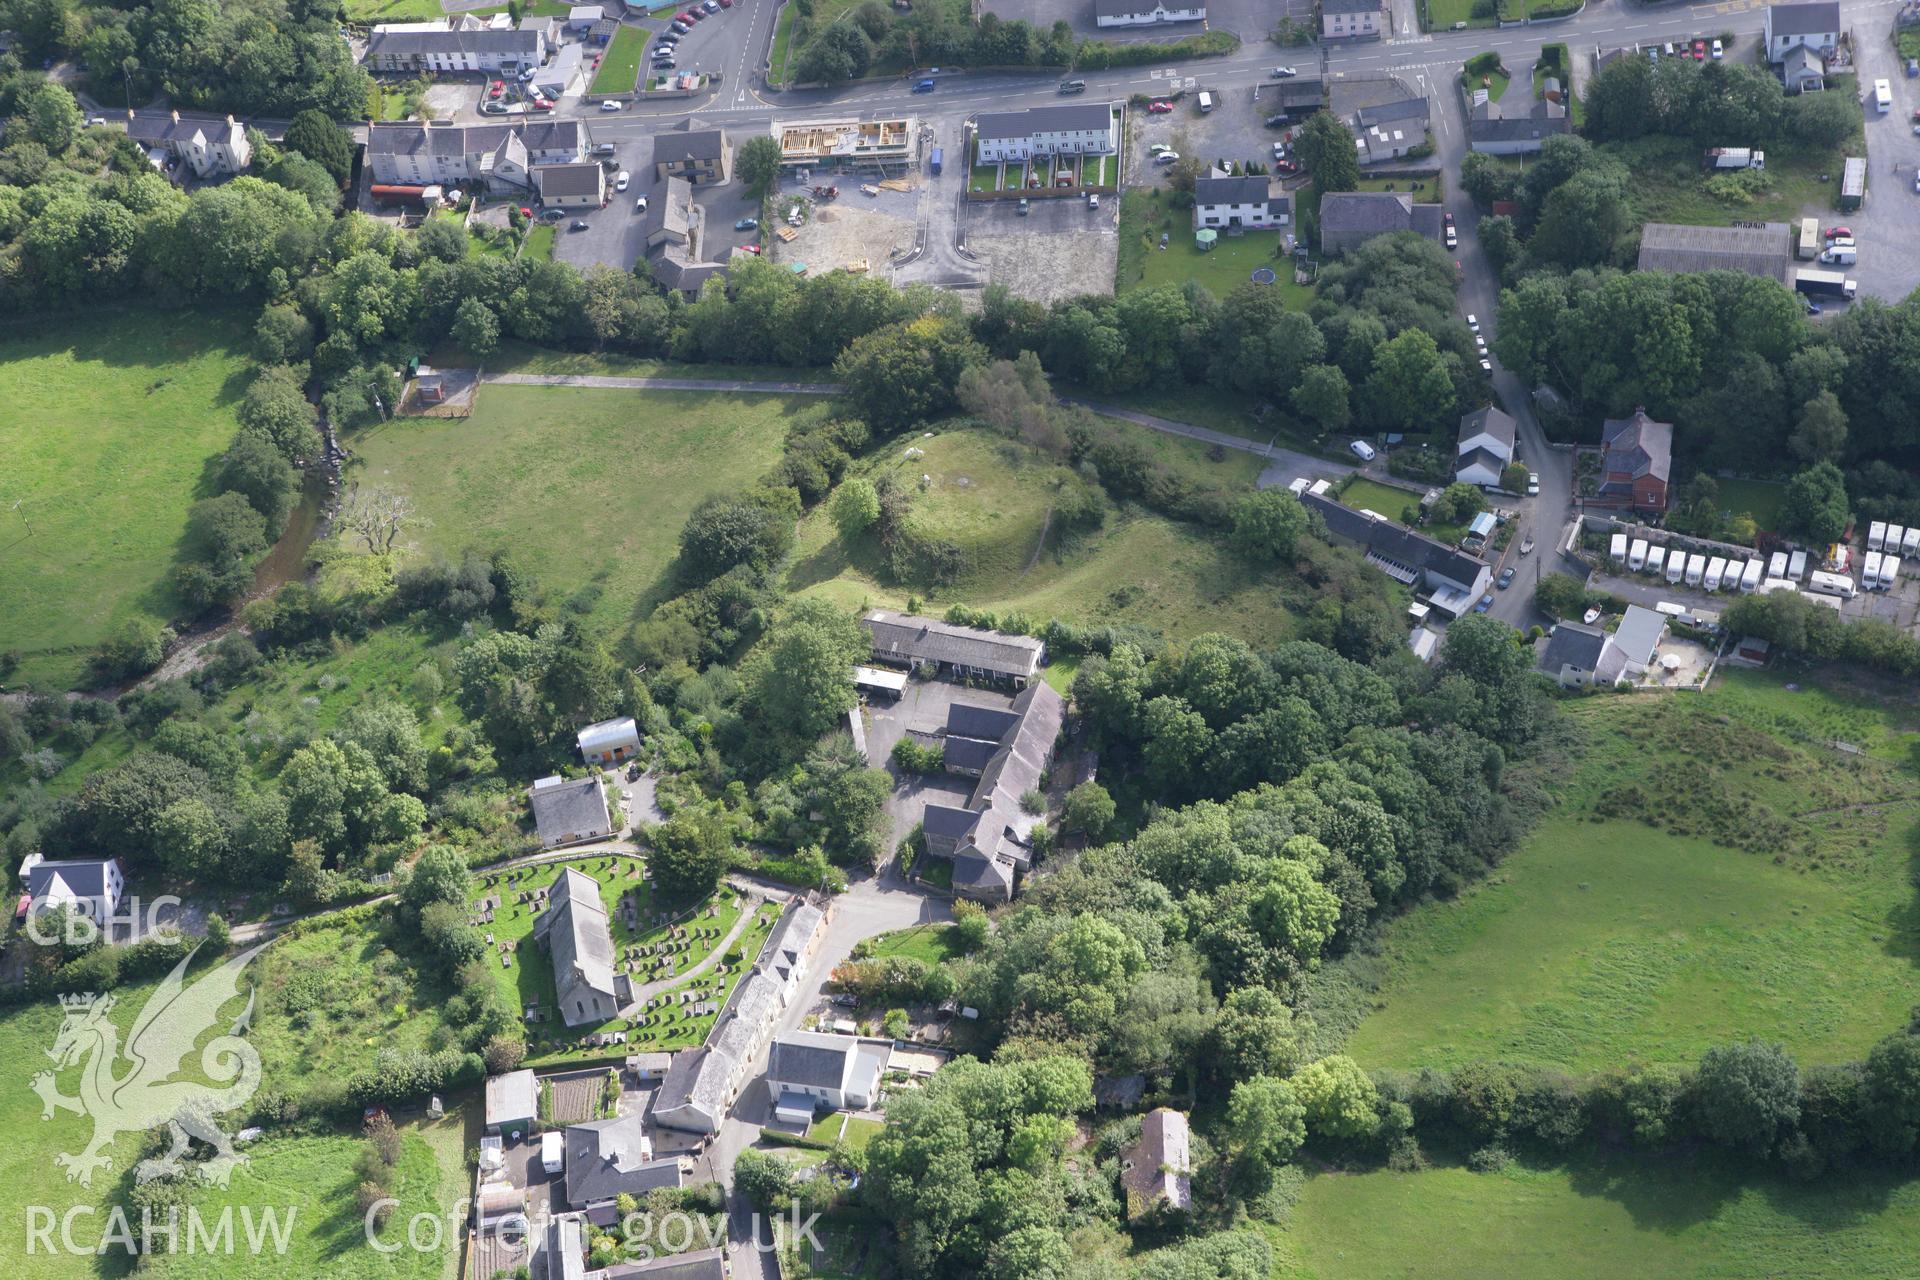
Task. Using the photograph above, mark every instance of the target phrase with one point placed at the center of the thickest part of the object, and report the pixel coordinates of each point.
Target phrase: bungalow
(609, 741)
(568, 812)
(1638, 464)
(1079, 128)
(1145, 13)
(208, 144)
(1485, 448)
(1453, 579)
(1348, 219)
(607, 1159)
(512, 1101)
(580, 185)
(702, 156)
(1254, 203)
(1157, 1171)
(1390, 131)
(1802, 26)
(1803, 70)
(92, 887)
(1352, 20)
(903, 640)
(806, 1069)
(574, 930)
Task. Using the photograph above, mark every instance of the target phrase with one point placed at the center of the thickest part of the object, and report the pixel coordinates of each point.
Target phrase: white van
(1840, 257)
(1206, 101)
(1882, 96)
(553, 1150)
(1361, 450)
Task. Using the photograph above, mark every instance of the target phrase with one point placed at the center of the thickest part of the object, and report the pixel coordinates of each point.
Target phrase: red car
(493, 90)
(1159, 107)
(1699, 50)
(1834, 233)
(541, 104)
(726, 4)
(687, 16)
(1285, 166)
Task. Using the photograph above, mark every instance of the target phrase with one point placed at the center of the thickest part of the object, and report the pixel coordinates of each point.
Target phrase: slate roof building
(1391, 130)
(1575, 654)
(495, 156)
(1157, 1170)
(1078, 128)
(579, 185)
(453, 49)
(806, 1069)
(568, 812)
(92, 887)
(903, 640)
(703, 157)
(1485, 447)
(990, 838)
(699, 1264)
(1802, 26)
(1453, 579)
(1763, 250)
(1351, 20)
(1638, 465)
(1515, 125)
(610, 1158)
(513, 1100)
(1348, 219)
(1253, 202)
(206, 144)
(1145, 13)
(702, 1083)
(574, 930)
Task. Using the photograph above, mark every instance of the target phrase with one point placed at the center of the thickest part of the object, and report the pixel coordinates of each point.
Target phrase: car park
(1159, 107)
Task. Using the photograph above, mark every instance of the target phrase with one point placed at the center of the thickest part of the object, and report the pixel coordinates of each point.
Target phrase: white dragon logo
(158, 1044)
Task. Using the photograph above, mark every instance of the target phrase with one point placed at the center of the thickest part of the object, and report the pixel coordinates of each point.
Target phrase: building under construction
(883, 148)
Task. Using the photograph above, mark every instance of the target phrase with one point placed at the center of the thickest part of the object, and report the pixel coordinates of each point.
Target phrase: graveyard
(682, 965)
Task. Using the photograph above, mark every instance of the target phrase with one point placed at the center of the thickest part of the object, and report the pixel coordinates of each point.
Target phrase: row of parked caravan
(1782, 571)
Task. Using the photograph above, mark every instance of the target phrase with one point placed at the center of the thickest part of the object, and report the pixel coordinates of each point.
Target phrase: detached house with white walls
(1352, 20)
(1073, 129)
(1254, 203)
(1802, 26)
(208, 145)
(91, 887)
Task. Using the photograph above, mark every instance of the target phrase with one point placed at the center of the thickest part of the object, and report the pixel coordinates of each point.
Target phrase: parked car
(579, 224)
(680, 28)
(493, 90)
(1505, 579)
(1453, 238)
(1159, 107)
(621, 179)
(609, 104)
(711, 6)
(1277, 122)
(1473, 323)
(1486, 603)
(1073, 86)
(1486, 365)
(1024, 208)
(493, 108)
(1093, 199)
(923, 86)
(747, 224)
(1286, 166)
(1699, 50)
(529, 74)
(542, 104)
(1361, 450)
(1167, 157)
(640, 205)
(1833, 232)
(1533, 484)
(1841, 242)
(1283, 73)
(1718, 52)
(1155, 148)
(1526, 545)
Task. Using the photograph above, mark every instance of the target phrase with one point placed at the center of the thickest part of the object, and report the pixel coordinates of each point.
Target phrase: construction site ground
(1060, 249)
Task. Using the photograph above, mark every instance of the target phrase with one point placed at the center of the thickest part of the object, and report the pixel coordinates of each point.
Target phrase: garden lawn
(620, 66)
(1496, 87)
(1760, 499)
(930, 942)
(782, 45)
(113, 422)
(588, 487)
(1389, 500)
(518, 357)
(1668, 185)
(538, 246)
(1228, 265)
(1599, 1219)
(1604, 940)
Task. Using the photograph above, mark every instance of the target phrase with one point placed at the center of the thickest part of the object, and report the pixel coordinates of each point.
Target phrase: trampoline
(1263, 275)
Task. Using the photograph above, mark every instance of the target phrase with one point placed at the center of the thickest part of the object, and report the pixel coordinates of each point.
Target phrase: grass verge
(620, 66)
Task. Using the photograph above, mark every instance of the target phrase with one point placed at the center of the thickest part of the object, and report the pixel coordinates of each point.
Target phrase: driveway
(1888, 226)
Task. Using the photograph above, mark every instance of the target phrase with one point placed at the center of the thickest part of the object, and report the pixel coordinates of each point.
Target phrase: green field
(1139, 567)
(1775, 899)
(1760, 499)
(1224, 268)
(519, 357)
(620, 65)
(529, 979)
(112, 422)
(930, 942)
(1687, 1219)
(538, 246)
(589, 487)
(1669, 187)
